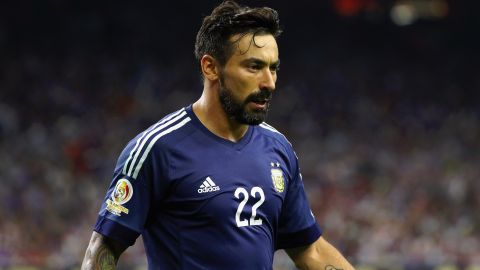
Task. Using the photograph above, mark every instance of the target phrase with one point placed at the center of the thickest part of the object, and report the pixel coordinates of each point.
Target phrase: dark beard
(237, 110)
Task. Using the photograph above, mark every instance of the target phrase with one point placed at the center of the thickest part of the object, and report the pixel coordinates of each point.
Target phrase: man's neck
(212, 115)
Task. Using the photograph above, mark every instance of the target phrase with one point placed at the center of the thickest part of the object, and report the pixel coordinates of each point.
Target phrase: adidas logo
(208, 186)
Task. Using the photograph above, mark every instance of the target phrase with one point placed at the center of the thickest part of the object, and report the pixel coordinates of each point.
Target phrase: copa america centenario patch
(278, 180)
(123, 192)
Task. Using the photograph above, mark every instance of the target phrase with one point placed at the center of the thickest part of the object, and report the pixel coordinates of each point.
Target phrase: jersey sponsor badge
(208, 186)
(278, 180)
(121, 194)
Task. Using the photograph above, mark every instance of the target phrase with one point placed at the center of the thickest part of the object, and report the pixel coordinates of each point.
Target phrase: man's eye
(255, 67)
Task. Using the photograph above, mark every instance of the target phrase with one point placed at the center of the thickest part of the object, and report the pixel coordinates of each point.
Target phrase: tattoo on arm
(102, 253)
(104, 259)
(331, 267)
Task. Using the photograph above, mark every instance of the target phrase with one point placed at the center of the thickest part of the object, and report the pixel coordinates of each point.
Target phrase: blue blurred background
(379, 98)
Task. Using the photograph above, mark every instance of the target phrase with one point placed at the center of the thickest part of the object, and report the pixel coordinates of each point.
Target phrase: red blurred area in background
(349, 8)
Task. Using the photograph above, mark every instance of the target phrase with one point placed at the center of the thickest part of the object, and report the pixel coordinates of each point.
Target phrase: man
(212, 186)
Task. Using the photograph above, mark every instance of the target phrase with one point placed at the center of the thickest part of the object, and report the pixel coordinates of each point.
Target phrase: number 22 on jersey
(242, 194)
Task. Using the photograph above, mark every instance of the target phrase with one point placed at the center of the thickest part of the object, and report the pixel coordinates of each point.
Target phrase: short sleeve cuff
(115, 231)
(298, 239)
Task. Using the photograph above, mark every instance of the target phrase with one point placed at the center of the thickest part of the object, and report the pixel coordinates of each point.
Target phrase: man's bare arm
(102, 253)
(320, 255)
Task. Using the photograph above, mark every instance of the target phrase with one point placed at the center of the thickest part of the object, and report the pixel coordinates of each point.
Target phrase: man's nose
(268, 80)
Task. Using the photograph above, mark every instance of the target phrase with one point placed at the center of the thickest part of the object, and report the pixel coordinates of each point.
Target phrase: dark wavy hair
(229, 19)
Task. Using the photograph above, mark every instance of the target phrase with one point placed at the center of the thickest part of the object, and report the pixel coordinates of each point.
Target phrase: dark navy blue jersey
(202, 202)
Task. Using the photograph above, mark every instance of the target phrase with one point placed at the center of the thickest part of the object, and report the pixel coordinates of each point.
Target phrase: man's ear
(210, 67)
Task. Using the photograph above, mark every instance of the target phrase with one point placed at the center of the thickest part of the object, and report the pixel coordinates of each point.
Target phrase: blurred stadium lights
(402, 12)
(407, 12)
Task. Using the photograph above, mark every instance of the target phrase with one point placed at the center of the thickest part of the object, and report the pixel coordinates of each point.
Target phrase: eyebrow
(260, 62)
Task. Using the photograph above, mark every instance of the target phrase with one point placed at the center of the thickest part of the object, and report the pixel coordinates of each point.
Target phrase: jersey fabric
(202, 202)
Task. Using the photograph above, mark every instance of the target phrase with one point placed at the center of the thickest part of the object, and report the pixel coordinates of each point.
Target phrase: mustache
(260, 95)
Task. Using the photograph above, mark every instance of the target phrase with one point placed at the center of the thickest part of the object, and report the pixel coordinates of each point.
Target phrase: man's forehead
(258, 44)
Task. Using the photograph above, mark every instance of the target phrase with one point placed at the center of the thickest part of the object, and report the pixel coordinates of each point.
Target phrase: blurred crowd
(388, 138)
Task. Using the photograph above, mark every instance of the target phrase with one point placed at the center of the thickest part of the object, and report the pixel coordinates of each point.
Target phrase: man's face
(248, 78)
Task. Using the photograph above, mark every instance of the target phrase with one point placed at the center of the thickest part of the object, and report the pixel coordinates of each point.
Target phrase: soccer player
(212, 186)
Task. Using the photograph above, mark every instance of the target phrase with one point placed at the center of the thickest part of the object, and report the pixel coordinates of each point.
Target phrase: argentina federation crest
(278, 180)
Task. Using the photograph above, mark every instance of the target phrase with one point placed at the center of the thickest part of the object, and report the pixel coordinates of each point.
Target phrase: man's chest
(238, 188)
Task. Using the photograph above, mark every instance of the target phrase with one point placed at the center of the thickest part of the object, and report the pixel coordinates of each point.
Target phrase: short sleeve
(127, 203)
(297, 226)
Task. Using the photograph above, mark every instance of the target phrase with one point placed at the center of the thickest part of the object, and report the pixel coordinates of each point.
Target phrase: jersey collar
(236, 145)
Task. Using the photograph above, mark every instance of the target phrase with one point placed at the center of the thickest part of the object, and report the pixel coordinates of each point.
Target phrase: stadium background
(379, 98)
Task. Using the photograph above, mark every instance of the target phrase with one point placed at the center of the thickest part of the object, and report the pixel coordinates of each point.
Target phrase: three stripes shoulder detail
(267, 126)
(149, 137)
(272, 129)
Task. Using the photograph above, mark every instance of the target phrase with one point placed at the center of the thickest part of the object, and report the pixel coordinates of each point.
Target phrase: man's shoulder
(269, 131)
(155, 139)
(169, 124)
(162, 131)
